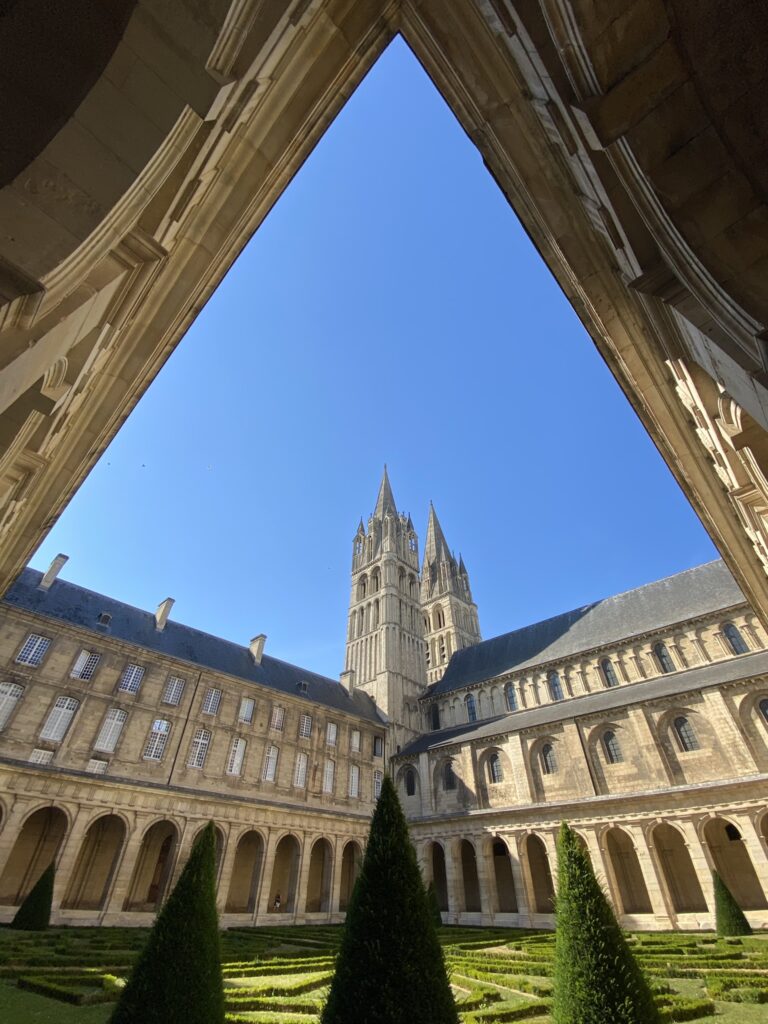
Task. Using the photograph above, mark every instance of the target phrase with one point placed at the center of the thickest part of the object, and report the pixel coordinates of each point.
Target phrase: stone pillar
(551, 844)
(454, 883)
(183, 849)
(485, 880)
(600, 865)
(756, 847)
(68, 852)
(701, 862)
(661, 905)
(113, 905)
(734, 745)
(520, 769)
(262, 899)
(338, 854)
(227, 865)
(302, 876)
(521, 892)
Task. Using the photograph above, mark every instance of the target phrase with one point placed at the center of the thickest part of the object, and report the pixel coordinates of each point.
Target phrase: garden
(281, 975)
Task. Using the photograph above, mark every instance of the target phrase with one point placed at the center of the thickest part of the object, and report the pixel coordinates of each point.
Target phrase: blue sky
(390, 309)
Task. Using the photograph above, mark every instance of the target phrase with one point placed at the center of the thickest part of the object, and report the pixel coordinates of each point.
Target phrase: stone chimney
(257, 647)
(162, 613)
(53, 571)
(347, 680)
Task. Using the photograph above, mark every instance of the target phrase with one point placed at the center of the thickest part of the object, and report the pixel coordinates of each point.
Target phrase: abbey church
(641, 719)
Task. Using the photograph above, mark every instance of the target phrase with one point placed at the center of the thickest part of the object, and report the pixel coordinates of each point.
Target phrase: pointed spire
(436, 546)
(386, 500)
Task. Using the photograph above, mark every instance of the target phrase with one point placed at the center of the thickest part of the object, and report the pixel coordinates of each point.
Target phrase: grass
(281, 975)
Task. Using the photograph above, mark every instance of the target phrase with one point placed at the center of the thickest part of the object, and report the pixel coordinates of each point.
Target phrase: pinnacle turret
(385, 503)
(435, 547)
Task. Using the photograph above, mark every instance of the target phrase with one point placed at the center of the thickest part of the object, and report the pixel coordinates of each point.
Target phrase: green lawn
(282, 974)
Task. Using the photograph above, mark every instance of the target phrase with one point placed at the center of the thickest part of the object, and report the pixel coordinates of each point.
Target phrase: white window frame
(300, 770)
(157, 740)
(269, 771)
(59, 719)
(33, 650)
(173, 691)
(247, 710)
(331, 734)
(10, 695)
(211, 701)
(199, 747)
(378, 779)
(329, 775)
(236, 756)
(277, 718)
(130, 678)
(85, 665)
(305, 727)
(40, 756)
(354, 781)
(96, 766)
(111, 729)
(355, 741)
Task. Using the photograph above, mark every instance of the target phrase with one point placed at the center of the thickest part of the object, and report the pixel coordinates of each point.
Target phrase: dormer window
(104, 618)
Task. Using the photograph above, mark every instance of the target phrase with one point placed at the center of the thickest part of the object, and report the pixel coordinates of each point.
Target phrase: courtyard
(281, 975)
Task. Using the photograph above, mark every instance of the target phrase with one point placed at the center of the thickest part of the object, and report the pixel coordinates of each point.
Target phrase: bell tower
(385, 639)
(450, 614)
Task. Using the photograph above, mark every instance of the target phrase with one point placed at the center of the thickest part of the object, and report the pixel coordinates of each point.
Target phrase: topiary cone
(177, 978)
(729, 917)
(390, 967)
(597, 979)
(34, 914)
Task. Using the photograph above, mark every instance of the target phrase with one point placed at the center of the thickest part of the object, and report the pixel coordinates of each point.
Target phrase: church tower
(450, 614)
(385, 640)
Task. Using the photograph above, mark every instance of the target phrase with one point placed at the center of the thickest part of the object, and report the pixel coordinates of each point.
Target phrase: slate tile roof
(687, 595)
(66, 602)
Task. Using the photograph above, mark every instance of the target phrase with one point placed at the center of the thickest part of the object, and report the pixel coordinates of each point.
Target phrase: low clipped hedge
(69, 991)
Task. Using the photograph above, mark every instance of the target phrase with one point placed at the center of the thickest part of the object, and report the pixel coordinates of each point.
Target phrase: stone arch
(469, 877)
(246, 873)
(154, 866)
(36, 847)
(506, 895)
(678, 870)
(285, 874)
(96, 864)
(409, 785)
(351, 860)
(318, 899)
(733, 862)
(630, 890)
(542, 888)
(439, 874)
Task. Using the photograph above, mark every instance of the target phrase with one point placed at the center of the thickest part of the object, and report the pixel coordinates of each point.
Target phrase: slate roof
(687, 595)
(66, 602)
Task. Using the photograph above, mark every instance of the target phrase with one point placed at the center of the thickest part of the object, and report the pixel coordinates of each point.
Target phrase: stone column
(526, 881)
(454, 883)
(262, 899)
(67, 857)
(731, 738)
(602, 870)
(520, 772)
(113, 905)
(523, 904)
(551, 844)
(701, 862)
(227, 865)
(338, 854)
(756, 847)
(661, 905)
(484, 879)
(183, 850)
(302, 876)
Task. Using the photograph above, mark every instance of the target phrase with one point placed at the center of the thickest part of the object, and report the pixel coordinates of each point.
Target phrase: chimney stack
(53, 571)
(257, 647)
(347, 680)
(162, 613)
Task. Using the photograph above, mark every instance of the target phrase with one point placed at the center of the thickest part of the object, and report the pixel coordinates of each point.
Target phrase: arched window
(362, 587)
(410, 782)
(764, 708)
(685, 734)
(435, 716)
(449, 779)
(495, 771)
(548, 759)
(442, 650)
(555, 686)
(375, 581)
(735, 640)
(469, 702)
(732, 832)
(375, 621)
(510, 696)
(438, 618)
(663, 657)
(612, 749)
(609, 673)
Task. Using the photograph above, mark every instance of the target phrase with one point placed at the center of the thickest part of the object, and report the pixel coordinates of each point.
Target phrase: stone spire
(435, 547)
(386, 500)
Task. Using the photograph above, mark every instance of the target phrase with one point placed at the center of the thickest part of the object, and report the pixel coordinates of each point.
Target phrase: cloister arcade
(114, 870)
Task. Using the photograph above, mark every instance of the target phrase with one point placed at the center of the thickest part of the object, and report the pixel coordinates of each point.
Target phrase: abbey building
(641, 719)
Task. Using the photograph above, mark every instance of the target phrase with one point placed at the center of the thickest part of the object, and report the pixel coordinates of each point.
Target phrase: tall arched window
(435, 716)
(410, 782)
(555, 686)
(495, 770)
(362, 586)
(469, 702)
(548, 759)
(685, 734)
(510, 696)
(663, 657)
(735, 640)
(609, 673)
(612, 749)
(764, 708)
(375, 581)
(360, 622)
(438, 619)
(375, 621)
(449, 779)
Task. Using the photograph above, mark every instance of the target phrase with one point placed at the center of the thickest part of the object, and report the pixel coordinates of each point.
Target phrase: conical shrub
(34, 914)
(597, 979)
(729, 917)
(390, 967)
(177, 978)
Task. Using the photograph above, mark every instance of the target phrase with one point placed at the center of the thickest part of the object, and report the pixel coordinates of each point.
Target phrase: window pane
(378, 746)
(236, 755)
(410, 782)
(277, 718)
(198, 750)
(270, 764)
(354, 780)
(110, 730)
(555, 686)
(10, 695)
(449, 776)
(469, 701)
(85, 665)
(130, 680)
(735, 639)
(612, 749)
(328, 776)
(663, 657)
(174, 688)
(300, 771)
(511, 697)
(331, 731)
(609, 673)
(496, 772)
(33, 649)
(59, 717)
(157, 740)
(97, 767)
(377, 780)
(247, 707)
(548, 760)
(305, 726)
(685, 734)
(211, 701)
(39, 756)
(354, 741)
